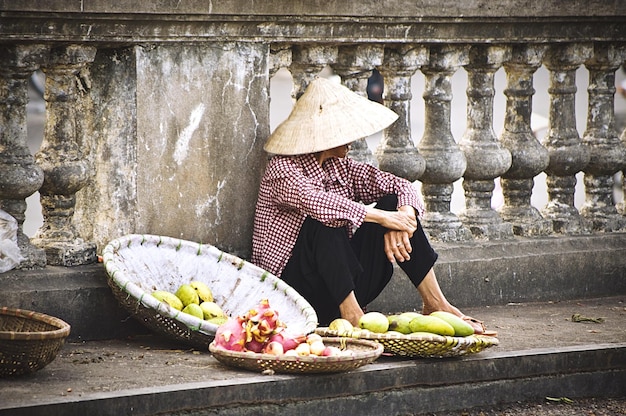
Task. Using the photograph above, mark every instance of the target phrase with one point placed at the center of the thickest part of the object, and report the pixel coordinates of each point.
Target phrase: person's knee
(388, 203)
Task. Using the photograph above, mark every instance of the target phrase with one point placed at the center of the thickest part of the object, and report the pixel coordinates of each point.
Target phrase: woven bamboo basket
(422, 345)
(137, 265)
(363, 352)
(29, 340)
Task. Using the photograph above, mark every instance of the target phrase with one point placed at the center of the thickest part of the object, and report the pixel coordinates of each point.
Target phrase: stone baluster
(567, 153)
(445, 163)
(486, 158)
(307, 62)
(65, 168)
(528, 156)
(608, 153)
(354, 65)
(279, 58)
(396, 152)
(20, 177)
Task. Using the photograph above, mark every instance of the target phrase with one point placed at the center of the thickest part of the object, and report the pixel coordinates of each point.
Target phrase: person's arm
(401, 225)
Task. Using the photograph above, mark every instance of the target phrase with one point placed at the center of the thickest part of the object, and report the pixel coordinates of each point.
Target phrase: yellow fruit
(432, 324)
(203, 291)
(399, 323)
(341, 325)
(194, 309)
(211, 310)
(187, 295)
(411, 315)
(218, 320)
(375, 322)
(461, 328)
(169, 298)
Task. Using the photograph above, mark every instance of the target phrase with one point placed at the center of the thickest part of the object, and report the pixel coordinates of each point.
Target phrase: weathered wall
(188, 165)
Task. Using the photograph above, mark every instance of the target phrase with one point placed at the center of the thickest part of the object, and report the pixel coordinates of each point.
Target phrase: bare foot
(478, 326)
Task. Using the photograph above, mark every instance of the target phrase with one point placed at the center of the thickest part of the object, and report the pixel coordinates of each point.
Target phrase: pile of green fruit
(194, 298)
(439, 322)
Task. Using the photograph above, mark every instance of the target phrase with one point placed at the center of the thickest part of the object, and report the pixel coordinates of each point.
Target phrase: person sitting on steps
(332, 227)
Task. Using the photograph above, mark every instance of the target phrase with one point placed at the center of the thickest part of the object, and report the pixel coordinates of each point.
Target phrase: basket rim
(62, 331)
(375, 349)
(373, 336)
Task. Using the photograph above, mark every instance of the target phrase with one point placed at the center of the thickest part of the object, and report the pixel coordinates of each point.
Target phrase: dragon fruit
(254, 345)
(261, 322)
(231, 335)
(288, 341)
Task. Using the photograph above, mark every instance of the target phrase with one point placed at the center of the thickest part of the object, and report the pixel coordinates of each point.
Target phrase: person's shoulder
(280, 164)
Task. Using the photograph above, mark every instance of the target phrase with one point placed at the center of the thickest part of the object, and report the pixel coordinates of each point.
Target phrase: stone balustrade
(156, 117)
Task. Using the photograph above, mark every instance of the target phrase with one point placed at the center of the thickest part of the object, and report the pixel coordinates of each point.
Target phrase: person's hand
(401, 225)
(398, 246)
(398, 221)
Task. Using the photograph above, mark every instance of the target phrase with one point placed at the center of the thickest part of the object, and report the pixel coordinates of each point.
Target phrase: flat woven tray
(422, 345)
(365, 352)
(29, 340)
(137, 265)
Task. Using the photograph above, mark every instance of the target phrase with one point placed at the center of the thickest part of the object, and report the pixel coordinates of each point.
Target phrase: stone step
(476, 274)
(542, 353)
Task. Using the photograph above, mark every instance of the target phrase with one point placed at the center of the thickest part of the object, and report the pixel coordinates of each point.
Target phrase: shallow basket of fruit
(337, 355)
(29, 340)
(413, 335)
(157, 278)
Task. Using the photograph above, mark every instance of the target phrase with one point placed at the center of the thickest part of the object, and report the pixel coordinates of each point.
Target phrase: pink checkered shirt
(295, 187)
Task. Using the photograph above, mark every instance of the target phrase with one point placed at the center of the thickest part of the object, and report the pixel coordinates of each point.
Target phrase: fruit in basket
(432, 324)
(411, 315)
(399, 323)
(255, 345)
(203, 291)
(287, 340)
(169, 298)
(303, 349)
(231, 335)
(211, 310)
(342, 326)
(219, 320)
(374, 321)
(317, 347)
(262, 321)
(331, 351)
(274, 348)
(461, 328)
(187, 294)
(194, 310)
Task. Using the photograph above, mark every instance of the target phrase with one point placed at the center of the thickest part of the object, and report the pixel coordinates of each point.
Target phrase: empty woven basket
(137, 265)
(29, 340)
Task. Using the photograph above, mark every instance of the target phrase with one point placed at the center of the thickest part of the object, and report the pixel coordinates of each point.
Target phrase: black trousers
(326, 265)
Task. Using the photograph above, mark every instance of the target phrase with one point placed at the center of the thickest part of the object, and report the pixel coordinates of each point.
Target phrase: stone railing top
(332, 8)
(330, 21)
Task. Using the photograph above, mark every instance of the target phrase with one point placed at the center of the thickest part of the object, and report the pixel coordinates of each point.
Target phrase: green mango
(194, 310)
(169, 298)
(399, 323)
(461, 328)
(432, 324)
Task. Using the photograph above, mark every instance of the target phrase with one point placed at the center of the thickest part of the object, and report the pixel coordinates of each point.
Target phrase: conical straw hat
(327, 115)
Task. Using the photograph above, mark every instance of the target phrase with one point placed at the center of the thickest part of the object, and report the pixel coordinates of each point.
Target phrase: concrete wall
(178, 142)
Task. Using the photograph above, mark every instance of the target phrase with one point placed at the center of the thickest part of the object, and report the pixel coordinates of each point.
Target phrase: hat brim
(326, 116)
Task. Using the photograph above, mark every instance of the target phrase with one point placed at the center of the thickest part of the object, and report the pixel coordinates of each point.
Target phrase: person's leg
(433, 299)
(322, 268)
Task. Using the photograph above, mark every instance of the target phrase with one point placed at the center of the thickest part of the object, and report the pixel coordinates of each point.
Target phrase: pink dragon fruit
(288, 341)
(231, 335)
(254, 345)
(262, 321)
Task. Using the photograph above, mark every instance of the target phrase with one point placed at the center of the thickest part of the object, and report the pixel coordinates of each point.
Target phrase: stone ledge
(471, 275)
(519, 270)
(388, 386)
